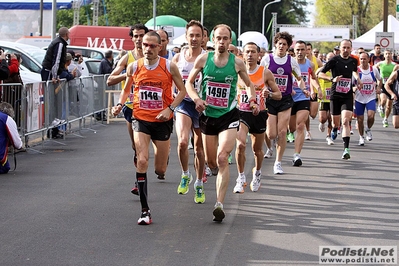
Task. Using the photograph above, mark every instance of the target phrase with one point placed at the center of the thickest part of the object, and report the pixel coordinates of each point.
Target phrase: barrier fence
(42, 106)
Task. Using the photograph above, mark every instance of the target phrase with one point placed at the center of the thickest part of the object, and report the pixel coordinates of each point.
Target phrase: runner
(342, 68)
(391, 86)
(324, 103)
(255, 125)
(386, 68)
(151, 79)
(217, 101)
(300, 109)
(283, 67)
(365, 97)
(136, 32)
(187, 118)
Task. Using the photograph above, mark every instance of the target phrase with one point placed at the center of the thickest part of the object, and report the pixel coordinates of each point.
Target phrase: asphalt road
(72, 206)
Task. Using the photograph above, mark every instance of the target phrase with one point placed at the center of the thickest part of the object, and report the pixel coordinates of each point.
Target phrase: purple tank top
(282, 75)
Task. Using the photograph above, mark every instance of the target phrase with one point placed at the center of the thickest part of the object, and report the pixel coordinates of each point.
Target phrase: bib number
(150, 98)
(217, 94)
(343, 85)
(281, 81)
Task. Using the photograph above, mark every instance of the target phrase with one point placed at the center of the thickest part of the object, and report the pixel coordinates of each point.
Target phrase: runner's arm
(269, 81)
(192, 92)
(115, 77)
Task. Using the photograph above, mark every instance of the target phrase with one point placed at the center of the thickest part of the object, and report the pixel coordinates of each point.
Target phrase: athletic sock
(142, 183)
(346, 142)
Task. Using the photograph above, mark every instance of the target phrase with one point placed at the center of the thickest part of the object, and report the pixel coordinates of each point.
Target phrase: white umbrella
(253, 36)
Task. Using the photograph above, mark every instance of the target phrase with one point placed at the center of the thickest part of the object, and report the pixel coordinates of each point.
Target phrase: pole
(154, 13)
(385, 16)
(41, 18)
(202, 12)
(263, 14)
(54, 19)
(239, 19)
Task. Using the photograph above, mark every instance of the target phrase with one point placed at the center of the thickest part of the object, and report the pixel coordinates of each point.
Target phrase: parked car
(32, 56)
(91, 52)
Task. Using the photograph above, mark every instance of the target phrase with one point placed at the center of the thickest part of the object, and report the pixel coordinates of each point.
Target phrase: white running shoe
(322, 127)
(269, 153)
(297, 160)
(385, 122)
(255, 183)
(240, 184)
(361, 141)
(329, 141)
(308, 136)
(369, 136)
(277, 169)
(208, 171)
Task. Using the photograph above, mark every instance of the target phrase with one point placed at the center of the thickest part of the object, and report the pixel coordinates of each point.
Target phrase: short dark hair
(302, 42)
(137, 26)
(377, 45)
(207, 31)
(154, 34)
(252, 43)
(195, 23)
(309, 44)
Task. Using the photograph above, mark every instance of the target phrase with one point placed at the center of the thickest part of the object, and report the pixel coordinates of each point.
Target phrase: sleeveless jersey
(386, 70)
(219, 86)
(306, 72)
(282, 75)
(258, 79)
(184, 69)
(130, 59)
(152, 90)
(325, 86)
(367, 92)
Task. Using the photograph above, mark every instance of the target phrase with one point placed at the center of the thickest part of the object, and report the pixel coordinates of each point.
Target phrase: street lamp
(263, 14)
(239, 18)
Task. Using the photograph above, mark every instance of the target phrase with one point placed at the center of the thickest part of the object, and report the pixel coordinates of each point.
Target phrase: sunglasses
(140, 35)
(152, 46)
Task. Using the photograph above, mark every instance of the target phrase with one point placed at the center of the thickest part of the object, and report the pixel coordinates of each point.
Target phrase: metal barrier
(42, 106)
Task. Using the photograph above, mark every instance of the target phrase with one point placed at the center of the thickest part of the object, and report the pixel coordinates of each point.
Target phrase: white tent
(253, 36)
(367, 40)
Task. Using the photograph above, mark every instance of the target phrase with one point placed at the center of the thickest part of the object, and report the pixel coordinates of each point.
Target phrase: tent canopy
(367, 40)
(167, 20)
(253, 36)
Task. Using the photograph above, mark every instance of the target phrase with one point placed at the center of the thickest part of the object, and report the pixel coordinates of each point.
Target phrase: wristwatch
(331, 79)
(172, 108)
(119, 104)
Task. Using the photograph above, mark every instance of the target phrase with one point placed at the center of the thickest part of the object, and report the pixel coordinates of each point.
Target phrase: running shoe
(135, 189)
(184, 184)
(297, 160)
(230, 159)
(290, 137)
(208, 171)
(308, 136)
(361, 141)
(204, 178)
(329, 141)
(385, 122)
(369, 136)
(339, 131)
(218, 213)
(199, 196)
(322, 127)
(269, 153)
(334, 134)
(277, 169)
(255, 183)
(346, 155)
(381, 111)
(240, 184)
(145, 218)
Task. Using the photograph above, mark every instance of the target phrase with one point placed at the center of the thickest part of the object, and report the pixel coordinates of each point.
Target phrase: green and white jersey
(219, 86)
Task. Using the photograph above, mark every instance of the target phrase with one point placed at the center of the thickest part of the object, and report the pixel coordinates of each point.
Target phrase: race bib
(305, 78)
(196, 87)
(328, 93)
(281, 81)
(217, 94)
(343, 85)
(368, 88)
(150, 98)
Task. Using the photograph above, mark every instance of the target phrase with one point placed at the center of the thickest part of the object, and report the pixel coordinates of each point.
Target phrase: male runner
(300, 109)
(366, 95)
(136, 32)
(324, 103)
(386, 68)
(342, 67)
(391, 86)
(187, 118)
(217, 101)
(151, 79)
(255, 125)
(284, 68)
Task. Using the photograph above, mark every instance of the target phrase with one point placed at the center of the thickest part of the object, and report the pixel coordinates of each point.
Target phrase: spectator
(4, 70)
(8, 135)
(107, 63)
(55, 59)
(120, 55)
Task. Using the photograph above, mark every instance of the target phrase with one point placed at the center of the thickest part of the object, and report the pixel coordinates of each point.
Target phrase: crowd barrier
(42, 106)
